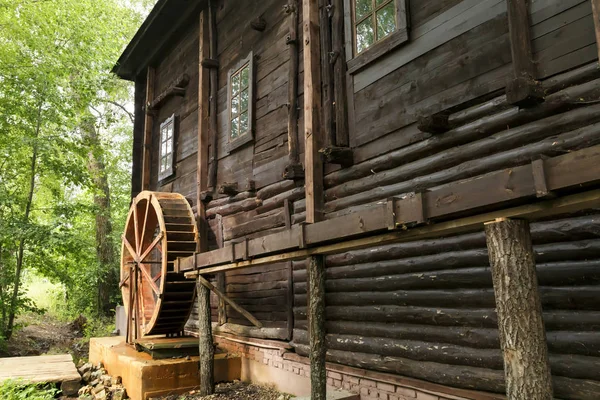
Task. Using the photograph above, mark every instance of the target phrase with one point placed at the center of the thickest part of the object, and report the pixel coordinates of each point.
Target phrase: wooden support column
(596, 15)
(148, 123)
(523, 89)
(205, 342)
(213, 125)
(313, 165)
(203, 116)
(520, 324)
(205, 339)
(326, 74)
(316, 327)
(339, 75)
(294, 169)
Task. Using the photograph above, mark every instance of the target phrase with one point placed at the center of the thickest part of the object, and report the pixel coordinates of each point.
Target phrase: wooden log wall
(181, 60)
(264, 160)
(263, 291)
(431, 302)
(427, 306)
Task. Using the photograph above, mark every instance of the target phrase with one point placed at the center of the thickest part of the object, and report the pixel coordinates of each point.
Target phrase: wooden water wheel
(160, 228)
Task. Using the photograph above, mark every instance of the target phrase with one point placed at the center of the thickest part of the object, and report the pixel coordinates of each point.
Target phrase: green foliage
(14, 390)
(55, 62)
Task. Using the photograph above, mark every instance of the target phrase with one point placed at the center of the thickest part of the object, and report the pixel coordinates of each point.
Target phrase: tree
(55, 58)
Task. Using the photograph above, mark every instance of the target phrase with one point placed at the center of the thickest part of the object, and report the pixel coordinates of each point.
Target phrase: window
(167, 148)
(241, 94)
(374, 20)
(378, 26)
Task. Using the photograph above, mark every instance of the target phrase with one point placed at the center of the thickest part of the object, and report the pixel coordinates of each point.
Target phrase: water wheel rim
(152, 201)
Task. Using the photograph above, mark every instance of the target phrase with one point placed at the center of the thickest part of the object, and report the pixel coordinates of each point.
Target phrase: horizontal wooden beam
(406, 215)
(176, 88)
(534, 211)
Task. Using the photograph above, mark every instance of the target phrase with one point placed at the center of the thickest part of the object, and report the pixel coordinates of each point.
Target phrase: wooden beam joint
(435, 123)
(176, 88)
(258, 24)
(228, 188)
(524, 92)
(343, 156)
(210, 63)
(294, 172)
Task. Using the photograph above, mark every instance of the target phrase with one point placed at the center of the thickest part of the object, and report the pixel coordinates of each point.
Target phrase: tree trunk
(105, 251)
(207, 350)
(521, 328)
(316, 327)
(28, 205)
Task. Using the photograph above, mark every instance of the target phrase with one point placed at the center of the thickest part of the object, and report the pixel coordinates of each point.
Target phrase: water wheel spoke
(157, 277)
(124, 280)
(149, 279)
(145, 220)
(155, 242)
(129, 247)
(136, 227)
(141, 300)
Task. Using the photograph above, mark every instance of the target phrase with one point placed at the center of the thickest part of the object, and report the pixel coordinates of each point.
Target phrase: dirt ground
(233, 391)
(42, 334)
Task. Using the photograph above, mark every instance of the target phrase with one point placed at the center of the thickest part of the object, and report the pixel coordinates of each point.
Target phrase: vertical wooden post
(148, 122)
(520, 324)
(203, 115)
(292, 40)
(596, 15)
(214, 133)
(205, 342)
(316, 327)
(523, 89)
(313, 164)
(207, 350)
(339, 75)
(326, 74)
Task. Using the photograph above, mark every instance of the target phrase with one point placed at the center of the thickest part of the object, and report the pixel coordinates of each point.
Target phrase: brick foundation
(369, 384)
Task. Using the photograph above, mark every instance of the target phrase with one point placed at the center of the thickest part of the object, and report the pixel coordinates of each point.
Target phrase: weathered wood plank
(312, 112)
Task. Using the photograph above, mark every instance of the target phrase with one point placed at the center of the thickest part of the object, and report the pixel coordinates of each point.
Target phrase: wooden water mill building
(333, 168)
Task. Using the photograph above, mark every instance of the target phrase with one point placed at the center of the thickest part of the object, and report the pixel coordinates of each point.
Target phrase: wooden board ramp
(39, 369)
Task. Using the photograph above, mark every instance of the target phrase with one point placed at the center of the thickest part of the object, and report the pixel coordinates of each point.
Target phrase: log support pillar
(316, 327)
(523, 89)
(520, 324)
(206, 347)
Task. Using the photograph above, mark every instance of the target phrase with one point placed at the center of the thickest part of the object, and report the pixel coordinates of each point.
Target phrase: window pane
(235, 105)
(363, 7)
(245, 77)
(163, 149)
(380, 2)
(244, 101)
(168, 162)
(386, 21)
(169, 146)
(244, 123)
(234, 128)
(235, 84)
(169, 131)
(364, 35)
(162, 164)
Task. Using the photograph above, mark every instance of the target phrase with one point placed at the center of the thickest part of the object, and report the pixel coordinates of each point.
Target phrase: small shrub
(14, 390)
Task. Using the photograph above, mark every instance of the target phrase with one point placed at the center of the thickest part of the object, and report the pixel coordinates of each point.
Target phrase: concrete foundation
(144, 377)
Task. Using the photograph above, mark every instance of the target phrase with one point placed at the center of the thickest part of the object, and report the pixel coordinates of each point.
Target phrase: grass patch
(15, 390)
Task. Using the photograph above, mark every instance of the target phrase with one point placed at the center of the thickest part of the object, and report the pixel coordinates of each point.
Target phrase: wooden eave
(165, 22)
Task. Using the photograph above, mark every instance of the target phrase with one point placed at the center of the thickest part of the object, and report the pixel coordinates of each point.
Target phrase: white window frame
(166, 146)
(247, 135)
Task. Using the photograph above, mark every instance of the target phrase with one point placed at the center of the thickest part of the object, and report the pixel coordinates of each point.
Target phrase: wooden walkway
(38, 369)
